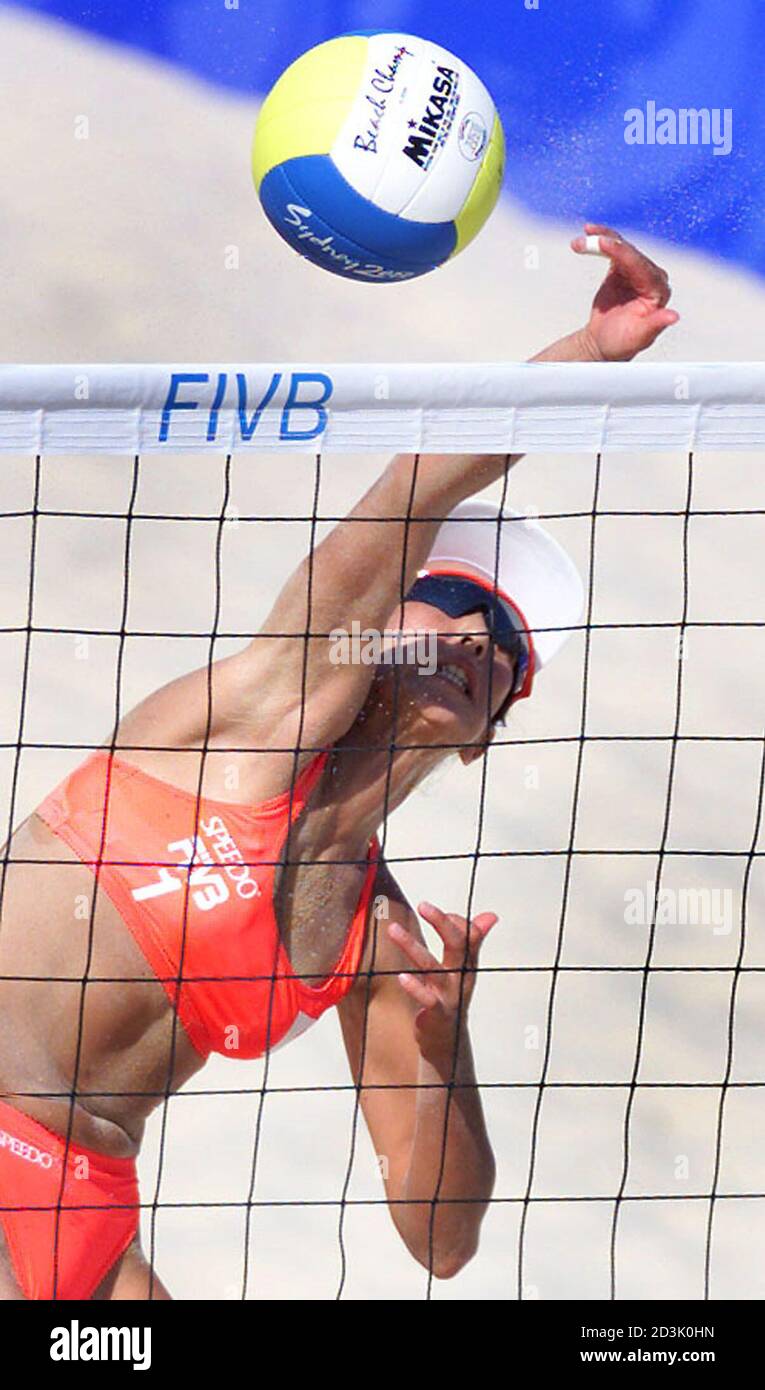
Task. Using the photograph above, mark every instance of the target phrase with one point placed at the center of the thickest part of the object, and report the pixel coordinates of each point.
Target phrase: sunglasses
(455, 595)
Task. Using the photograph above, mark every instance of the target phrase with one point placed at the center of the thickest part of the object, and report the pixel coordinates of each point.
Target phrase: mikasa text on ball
(378, 156)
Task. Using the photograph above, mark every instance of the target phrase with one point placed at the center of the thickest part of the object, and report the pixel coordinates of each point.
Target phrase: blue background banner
(564, 75)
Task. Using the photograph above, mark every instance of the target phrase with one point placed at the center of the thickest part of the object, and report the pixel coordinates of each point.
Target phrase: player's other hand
(630, 309)
(444, 988)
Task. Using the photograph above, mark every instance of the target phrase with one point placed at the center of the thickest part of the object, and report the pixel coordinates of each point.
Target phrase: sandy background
(144, 241)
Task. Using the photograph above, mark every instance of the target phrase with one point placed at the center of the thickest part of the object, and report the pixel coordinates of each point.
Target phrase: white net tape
(491, 408)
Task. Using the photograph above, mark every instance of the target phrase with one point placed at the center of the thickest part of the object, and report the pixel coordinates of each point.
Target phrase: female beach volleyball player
(265, 904)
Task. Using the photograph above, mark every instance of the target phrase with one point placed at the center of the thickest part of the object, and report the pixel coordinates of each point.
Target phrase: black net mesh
(615, 826)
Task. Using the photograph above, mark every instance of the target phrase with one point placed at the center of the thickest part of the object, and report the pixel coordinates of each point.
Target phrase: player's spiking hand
(630, 308)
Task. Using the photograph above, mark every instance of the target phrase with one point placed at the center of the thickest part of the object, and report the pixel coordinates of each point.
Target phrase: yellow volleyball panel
(485, 191)
(305, 110)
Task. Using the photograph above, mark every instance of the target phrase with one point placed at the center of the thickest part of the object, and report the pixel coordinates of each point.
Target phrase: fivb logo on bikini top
(208, 887)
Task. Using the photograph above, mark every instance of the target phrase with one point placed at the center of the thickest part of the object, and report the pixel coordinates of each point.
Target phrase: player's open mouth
(456, 676)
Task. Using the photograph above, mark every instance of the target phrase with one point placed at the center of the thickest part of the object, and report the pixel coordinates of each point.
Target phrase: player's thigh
(131, 1278)
(10, 1289)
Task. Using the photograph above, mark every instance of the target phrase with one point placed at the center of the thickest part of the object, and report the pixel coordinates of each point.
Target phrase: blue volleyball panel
(302, 195)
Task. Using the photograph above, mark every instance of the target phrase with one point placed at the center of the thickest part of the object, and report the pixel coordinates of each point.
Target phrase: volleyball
(378, 156)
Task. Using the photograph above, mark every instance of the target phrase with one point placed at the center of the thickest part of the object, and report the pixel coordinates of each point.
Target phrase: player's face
(456, 669)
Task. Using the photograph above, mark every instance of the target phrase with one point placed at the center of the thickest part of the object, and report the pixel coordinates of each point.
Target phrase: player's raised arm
(368, 562)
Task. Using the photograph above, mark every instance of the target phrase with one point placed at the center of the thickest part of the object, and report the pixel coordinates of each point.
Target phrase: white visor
(524, 562)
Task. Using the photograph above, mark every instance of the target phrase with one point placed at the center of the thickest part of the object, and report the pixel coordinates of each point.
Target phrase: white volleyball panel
(416, 135)
(373, 130)
(457, 160)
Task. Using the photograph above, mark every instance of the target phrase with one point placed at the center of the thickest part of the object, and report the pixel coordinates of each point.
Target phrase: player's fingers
(599, 229)
(483, 923)
(645, 277)
(479, 930)
(418, 989)
(588, 241)
(449, 926)
(418, 954)
(661, 319)
(592, 244)
(461, 947)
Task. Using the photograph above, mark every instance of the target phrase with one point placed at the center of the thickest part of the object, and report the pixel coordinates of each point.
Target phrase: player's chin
(437, 705)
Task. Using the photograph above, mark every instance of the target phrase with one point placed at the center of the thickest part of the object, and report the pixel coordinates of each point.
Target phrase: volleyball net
(149, 516)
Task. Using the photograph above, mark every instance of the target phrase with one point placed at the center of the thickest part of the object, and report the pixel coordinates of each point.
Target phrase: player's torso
(52, 937)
